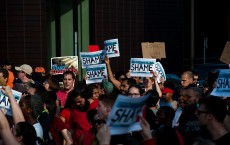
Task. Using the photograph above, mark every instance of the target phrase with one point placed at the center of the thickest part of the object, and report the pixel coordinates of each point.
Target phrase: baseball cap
(39, 70)
(25, 67)
(108, 86)
(167, 90)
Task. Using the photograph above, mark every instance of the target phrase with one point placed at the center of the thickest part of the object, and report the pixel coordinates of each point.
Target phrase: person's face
(167, 96)
(134, 92)
(181, 99)
(95, 94)
(186, 80)
(31, 90)
(202, 115)
(8, 67)
(68, 82)
(79, 101)
(191, 98)
(124, 87)
(103, 111)
(21, 74)
(25, 109)
(121, 77)
(1, 75)
(148, 82)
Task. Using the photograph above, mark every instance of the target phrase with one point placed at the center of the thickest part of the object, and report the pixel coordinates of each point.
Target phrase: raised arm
(15, 109)
(115, 82)
(158, 89)
(5, 131)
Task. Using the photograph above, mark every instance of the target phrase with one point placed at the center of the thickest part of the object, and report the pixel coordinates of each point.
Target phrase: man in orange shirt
(7, 65)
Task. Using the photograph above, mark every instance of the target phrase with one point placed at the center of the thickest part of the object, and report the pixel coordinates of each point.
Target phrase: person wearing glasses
(211, 114)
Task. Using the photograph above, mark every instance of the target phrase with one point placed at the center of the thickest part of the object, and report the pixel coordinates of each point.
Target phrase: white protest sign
(112, 48)
(158, 68)
(90, 58)
(96, 73)
(222, 88)
(142, 67)
(4, 100)
(124, 116)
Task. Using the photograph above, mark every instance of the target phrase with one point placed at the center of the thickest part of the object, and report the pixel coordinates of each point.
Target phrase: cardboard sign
(225, 56)
(96, 73)
(91, 58)
(4, 100)
(142, 67)
(66, 63)
(124, 115)
(93, 48)
(153, 50)
(112, 48)
(222, 88)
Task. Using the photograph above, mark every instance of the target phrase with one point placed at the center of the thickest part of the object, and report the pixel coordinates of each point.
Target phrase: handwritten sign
(112, 48)
(142, 67)
(96, 73)
(90, 58)
(225, 56)
(124, 115)
(222, 88)
(153, 50)
(5, 103)
(66, 63)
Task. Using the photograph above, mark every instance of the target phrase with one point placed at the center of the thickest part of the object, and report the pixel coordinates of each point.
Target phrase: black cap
(7, 62)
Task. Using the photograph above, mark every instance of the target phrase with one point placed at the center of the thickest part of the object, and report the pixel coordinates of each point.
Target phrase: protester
(7, 64)
(3, 77)
(187, 78)
(24, 81)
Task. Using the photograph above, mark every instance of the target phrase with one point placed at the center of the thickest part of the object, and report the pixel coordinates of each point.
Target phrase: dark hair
(130, 81)
(169, 114)
(153, 98)
(108, 99)
(27, 131)
(53, 84)
(89, 90)
(119, 74)
(69, 73)
(141, 91)
(216, 106)
(4, 72)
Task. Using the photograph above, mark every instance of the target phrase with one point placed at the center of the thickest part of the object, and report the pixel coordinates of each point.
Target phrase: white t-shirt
(39, 131)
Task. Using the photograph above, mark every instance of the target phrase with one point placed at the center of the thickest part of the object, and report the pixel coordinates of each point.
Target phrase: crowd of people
(76, 113)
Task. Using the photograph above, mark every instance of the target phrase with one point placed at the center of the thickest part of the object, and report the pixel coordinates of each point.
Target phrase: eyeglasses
(198, 112)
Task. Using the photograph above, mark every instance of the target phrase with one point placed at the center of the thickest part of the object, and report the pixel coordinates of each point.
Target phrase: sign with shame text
(158, 68)
(5, 103)
(96, 73)
(124, 116)
(112, 48)
(142, 67)
(222, 88)
(90, 58)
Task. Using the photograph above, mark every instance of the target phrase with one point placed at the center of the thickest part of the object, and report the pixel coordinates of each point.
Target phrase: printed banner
(90, 58)
(5, 103)
(112, 48)
(222, 88)
(96, 73)
(66, 63)
(158, 68)
(124, 115)
(142, 67)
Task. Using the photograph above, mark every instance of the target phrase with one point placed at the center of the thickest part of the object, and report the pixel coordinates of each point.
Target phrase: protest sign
(222, 88)
(66, 63)
(90, 58)
(112, 48)
(124, 115)
(153, 50)
(4, 100)
(158, 68)
(142, 67)
(96, 73)
(225, 56)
